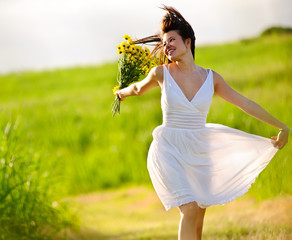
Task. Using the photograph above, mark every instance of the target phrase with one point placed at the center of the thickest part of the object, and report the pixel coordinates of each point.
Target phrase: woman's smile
(170, 51)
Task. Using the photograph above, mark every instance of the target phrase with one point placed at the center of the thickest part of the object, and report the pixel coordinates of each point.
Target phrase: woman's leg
(189, 215)
(199, 227)
(191, 223)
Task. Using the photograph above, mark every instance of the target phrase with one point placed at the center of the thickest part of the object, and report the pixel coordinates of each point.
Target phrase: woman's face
(173, 45)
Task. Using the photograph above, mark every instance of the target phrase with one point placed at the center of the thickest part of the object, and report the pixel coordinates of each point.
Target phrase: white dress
(190, 160)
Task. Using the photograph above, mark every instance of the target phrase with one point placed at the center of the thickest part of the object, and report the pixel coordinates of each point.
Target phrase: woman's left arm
(223, 90)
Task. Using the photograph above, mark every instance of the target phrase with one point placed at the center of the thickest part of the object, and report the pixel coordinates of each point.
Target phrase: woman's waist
(184, 120)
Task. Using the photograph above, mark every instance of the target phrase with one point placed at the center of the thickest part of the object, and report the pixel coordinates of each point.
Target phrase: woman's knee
(189, 210)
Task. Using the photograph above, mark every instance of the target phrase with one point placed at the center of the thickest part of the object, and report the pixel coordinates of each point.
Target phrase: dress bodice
(178, 111)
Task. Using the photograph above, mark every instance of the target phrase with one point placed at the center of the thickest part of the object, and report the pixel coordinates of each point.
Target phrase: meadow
(66, 127)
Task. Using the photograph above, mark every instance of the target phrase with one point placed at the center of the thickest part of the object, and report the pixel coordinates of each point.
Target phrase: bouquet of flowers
(135, 62)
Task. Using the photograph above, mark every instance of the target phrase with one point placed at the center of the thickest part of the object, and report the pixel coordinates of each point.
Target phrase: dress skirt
(212, 165)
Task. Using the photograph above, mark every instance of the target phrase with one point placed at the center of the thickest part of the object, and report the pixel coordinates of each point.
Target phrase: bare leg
(199, 227)
(189, 217)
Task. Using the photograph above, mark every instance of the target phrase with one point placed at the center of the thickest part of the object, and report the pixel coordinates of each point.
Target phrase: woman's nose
(167, 44)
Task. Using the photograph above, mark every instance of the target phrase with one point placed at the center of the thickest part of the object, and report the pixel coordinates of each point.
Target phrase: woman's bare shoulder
(157, 73)
(217, 78)
(158, 69)
(216, 74)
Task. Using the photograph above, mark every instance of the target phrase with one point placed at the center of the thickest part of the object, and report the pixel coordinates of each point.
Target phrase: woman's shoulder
(218, 80)
(157, 71)
(216, 76)
(214, 73)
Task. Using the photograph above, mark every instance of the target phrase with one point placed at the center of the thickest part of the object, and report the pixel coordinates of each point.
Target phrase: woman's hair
(172, 20)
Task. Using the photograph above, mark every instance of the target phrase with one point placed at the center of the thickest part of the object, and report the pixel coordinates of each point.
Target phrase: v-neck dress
(191, 160)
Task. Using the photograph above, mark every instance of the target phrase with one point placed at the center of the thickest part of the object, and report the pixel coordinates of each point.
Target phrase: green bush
(276, 31)
(27, 208)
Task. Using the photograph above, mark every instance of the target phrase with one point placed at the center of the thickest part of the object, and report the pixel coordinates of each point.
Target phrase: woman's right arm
(153, 79)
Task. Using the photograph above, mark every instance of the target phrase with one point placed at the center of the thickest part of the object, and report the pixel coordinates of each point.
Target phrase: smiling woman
(193, 164)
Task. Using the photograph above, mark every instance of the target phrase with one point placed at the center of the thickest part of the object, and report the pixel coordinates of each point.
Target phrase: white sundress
(190, 160)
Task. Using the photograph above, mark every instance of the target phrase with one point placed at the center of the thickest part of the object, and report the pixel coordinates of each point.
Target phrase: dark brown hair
(172, 20)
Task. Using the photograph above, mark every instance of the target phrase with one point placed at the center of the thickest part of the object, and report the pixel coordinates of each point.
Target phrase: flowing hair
(172, 20)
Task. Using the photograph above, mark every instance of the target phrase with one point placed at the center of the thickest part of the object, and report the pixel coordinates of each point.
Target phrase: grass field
(65, 117)
(137, 213)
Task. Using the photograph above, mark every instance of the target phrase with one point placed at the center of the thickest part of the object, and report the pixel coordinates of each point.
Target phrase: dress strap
(207, 72)
(165, 76)
(165, 70)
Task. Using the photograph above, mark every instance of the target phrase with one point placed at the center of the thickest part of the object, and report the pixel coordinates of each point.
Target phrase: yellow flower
(128, 48)
(121, 51)
(140, 49)
(133, 52)
(126, 37)
(147, 49)
(147, 52)
(115, 89)
(130, 41)
(124, 44)
(132, 48)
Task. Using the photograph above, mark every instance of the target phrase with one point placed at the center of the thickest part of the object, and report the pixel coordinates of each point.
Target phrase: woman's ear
(188, 42)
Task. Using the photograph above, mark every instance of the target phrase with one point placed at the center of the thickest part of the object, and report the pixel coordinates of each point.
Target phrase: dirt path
(136, 213)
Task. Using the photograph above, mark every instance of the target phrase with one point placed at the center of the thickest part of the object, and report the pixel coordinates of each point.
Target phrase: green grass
(137, 213)
(67, 114)
(28, 209)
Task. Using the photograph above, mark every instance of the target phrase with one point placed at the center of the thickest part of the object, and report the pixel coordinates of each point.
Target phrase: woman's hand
(281, 140)
(139, 88)
(119, 95)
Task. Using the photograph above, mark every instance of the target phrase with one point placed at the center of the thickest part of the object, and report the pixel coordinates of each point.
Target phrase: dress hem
(206, 204)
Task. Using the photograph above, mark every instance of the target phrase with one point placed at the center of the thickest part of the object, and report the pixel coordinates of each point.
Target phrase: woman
(192, 164)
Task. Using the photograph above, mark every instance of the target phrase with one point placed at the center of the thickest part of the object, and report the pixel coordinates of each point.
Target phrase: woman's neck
(186, 64)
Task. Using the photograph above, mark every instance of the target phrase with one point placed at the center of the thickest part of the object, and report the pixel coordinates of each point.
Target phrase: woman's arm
(153, 79)
(223, 90)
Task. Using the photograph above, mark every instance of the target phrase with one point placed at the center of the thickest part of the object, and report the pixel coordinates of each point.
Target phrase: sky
(49, 34)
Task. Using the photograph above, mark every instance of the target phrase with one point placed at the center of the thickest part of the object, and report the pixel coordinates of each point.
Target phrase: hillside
(66, 115)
